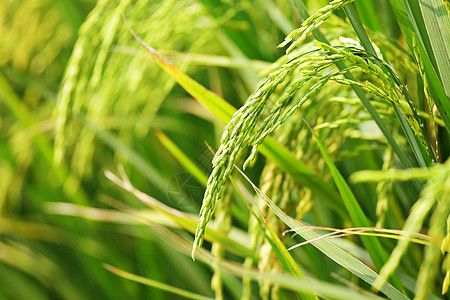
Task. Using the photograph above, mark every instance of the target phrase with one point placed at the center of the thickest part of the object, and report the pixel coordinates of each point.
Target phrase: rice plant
(224, 149)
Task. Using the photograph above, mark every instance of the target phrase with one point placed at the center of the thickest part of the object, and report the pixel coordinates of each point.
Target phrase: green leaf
(409, 17)
(287, 260)
(321, 288)
(437, 189)
(437, 27)
(373, 246)
(181, 157)
(364, 100)
(283, 255)
(328, 248)
(187, 221)
(224, 112)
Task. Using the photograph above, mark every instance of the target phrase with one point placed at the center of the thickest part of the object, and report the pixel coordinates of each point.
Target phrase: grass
(295, 149)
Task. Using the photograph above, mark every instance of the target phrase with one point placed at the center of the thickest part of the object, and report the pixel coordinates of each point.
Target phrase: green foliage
(352, 122)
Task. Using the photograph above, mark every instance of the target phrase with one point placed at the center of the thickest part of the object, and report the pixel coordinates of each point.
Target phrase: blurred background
(78, 97)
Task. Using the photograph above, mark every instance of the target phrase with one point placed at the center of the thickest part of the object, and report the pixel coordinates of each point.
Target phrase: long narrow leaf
(288, 260)
(182, 158)
(283, 255)
(366, 43)
(321, 288)
(328, 248)
(437, 24)
(360, 93)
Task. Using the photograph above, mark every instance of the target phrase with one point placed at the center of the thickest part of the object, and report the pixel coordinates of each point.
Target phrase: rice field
(222, 149)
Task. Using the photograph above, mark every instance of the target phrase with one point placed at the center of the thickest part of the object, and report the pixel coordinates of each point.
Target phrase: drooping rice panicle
(312, 23)
(389, 85)
(78, 95)
(432, 256)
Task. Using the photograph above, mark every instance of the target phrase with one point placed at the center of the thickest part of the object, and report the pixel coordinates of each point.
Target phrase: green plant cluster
(223, 149)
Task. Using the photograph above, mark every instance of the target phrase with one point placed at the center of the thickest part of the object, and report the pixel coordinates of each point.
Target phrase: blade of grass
(338, 255)
(419, 238)
(321, 288)
(278, 248)
(431, 22)
(366, 11)
(364, 100)
(287, 260)
(288, 163)
(437, 27)
(224, 111)
(181, 157)
(350, 10)
(155, 284)
(219, 61)
(184, 220)
(420, 210)
(414, 14)
(392, 174)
